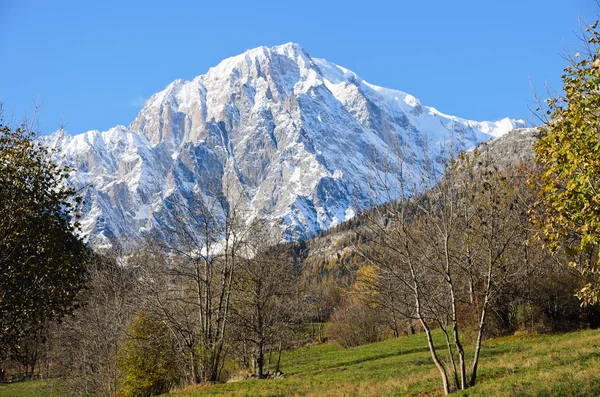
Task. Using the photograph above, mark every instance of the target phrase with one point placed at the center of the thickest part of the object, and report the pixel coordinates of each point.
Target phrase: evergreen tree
(41, 255)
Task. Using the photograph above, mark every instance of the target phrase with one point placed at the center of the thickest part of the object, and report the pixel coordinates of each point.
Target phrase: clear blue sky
(92, 63)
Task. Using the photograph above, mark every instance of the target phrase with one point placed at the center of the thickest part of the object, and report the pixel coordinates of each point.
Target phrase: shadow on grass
(380, 357)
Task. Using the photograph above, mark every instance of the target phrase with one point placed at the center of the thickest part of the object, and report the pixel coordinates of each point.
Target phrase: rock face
(511, 149)
(292, 137)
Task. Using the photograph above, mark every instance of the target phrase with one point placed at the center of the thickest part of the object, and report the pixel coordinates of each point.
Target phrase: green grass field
(546, 365)
(543, 365)
(36, 388)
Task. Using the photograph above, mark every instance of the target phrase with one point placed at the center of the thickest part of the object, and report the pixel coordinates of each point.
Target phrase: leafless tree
(265, 291)
(187, 280)
(319, 296)
(440, 239)
(88, 343)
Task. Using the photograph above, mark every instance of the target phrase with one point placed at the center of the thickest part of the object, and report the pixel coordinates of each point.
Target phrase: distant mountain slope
(292, 137)
(510, 149)
(333, 252)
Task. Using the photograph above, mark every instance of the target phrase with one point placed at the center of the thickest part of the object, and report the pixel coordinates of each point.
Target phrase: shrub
(355, 323)
(149, 359)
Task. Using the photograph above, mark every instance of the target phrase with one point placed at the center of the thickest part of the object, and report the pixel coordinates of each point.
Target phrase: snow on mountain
(292, 137)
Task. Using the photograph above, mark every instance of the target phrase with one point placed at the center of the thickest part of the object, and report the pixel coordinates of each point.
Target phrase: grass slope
(36, 388)
(546, 365)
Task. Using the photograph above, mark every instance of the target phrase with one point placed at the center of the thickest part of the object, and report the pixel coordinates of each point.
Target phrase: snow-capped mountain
(292, 137)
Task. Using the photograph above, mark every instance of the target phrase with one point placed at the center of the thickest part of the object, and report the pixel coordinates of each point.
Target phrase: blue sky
(92, 64)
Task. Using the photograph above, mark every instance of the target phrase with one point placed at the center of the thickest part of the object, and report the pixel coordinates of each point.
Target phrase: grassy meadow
(520, 365)
(525, 365)
(36, 388)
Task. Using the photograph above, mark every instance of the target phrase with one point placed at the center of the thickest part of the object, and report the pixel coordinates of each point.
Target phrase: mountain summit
(290, 136)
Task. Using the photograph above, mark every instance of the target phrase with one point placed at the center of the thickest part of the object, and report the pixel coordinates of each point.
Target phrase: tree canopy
(569, 154)
(41, 255)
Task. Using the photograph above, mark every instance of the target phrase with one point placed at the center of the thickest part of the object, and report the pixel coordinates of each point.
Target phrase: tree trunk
(451, 356)
(395, 324)
(461, 358)
(269, 359)
(320, 332)
(194, 367)
(480, 331)
(435, 358)
(260, 359)
(278, 358)
(453, 299)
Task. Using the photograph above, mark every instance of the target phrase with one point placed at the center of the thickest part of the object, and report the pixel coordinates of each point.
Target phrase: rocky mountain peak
(293, 136)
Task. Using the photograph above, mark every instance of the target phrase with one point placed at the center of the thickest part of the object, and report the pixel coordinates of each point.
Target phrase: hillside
(557, 365)
(332, 252)
(521, 365)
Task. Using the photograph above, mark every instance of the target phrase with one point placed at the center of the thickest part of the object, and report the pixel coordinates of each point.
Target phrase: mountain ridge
(292, 135)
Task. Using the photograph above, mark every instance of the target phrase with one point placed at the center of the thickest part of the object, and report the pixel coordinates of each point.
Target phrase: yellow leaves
(589, 294)
(366, 278)
(572, 265)
(569, 154)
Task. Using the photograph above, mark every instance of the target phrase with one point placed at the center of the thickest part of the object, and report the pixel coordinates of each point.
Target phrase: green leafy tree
(149, 358)
(41, 256)
(569, 154)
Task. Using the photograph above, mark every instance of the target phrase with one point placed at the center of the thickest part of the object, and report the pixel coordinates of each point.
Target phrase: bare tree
(187, 280)
(320, 296)
(440, 243)
(89, 342)
(265, 288)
